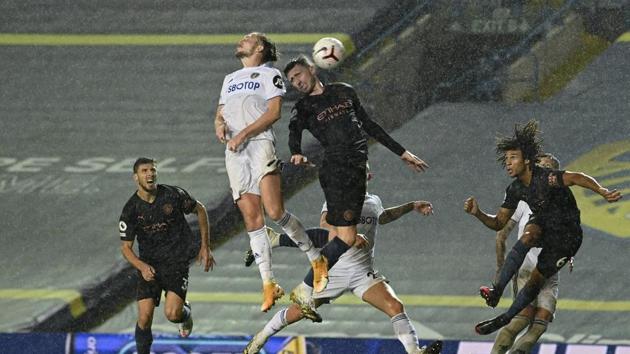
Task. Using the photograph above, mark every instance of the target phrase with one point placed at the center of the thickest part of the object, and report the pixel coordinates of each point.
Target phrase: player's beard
(241, 53)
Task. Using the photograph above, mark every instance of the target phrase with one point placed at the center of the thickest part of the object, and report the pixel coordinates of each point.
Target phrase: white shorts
(357, 281)
(246, 167)
(548, 296)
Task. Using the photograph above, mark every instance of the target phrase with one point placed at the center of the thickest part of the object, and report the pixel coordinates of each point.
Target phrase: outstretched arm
(394, 213)
(494, 222)
(586, 181)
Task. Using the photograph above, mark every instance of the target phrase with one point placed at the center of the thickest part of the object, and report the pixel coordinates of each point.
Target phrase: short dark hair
(299, 60)
(269, 53)
(142, 161)
(555, 163)
(525, 139)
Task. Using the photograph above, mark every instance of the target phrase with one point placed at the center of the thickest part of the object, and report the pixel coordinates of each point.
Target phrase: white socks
(292, 226)
(405, 332)
(275, 325)
(261, 248)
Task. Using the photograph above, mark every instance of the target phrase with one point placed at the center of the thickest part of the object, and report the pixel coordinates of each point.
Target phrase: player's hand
(235, 142)
(423, 207)
(470, 206)
(148, 272)
(611, 196)
(220, 130)
(361, 241)
(205, 258)
(414, 162)
(301, 160)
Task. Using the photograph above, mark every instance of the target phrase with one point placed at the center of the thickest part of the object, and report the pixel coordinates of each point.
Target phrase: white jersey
(521, 216)
(244, 97)
(357, 258)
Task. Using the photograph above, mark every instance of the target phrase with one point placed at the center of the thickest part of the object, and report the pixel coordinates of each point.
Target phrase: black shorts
(559, 240)
(166, 279)
(344, 183)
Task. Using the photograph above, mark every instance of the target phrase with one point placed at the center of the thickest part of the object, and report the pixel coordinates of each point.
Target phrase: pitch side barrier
(88, 343)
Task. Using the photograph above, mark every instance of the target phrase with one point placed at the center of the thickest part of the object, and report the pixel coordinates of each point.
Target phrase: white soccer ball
(328, 53)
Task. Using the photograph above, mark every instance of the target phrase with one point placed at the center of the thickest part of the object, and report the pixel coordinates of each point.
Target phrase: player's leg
(317, 235)
(244, 174)
(176, 308)
(527, 341)
(331, 252)
(148, 296)
(506, 335)
(270, 190)
(143, 334)
(512, 263)
(524, 297)
(546, 307)
(278, 322)
(383, 297)
(251, 209)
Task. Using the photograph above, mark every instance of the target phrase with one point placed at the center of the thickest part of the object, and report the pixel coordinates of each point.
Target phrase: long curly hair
(525, 138)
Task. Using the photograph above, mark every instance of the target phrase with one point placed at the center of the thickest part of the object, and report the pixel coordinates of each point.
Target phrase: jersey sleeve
(223, 89)
(296, 126)
(274, 85)
(556, 178)
(511, 198)
(324, 208)
(127, 224)
(372, 128)
(187, 203)
(378, 206)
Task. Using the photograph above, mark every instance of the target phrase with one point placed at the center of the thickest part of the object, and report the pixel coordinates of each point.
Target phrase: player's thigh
(382, 296)
(251, 209)
(271, 195)
(338, 283)
(547, 299)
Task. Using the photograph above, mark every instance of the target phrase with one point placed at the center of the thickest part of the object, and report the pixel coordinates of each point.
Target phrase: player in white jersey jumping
(354, 272)
(250, 102)
(538, 314)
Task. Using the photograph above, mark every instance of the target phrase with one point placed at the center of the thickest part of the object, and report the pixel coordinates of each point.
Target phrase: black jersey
(553, 201)
(337, 119)
(163, 234)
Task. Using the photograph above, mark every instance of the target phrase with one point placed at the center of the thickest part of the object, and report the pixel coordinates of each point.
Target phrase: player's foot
(255, 344)
(320, 274)
(433, 348)
(271, 292)
(249, 258)
(302, 297)
(273, 236)
(186, 327)
(491, 325)
(490, 295)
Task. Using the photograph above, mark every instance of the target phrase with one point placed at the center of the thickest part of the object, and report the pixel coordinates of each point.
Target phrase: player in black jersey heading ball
(155, 216)
(553, 226)
(335, 117)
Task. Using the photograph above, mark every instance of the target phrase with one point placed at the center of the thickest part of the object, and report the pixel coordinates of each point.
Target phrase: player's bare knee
(145, 321)
(394, 307)
(275, 212)
(173, 314)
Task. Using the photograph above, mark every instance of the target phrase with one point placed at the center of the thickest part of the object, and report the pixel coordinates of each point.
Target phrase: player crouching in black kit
(334, 116)
(154, 215)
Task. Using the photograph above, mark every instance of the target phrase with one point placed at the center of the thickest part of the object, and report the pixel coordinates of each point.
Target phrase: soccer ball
(328, 53)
